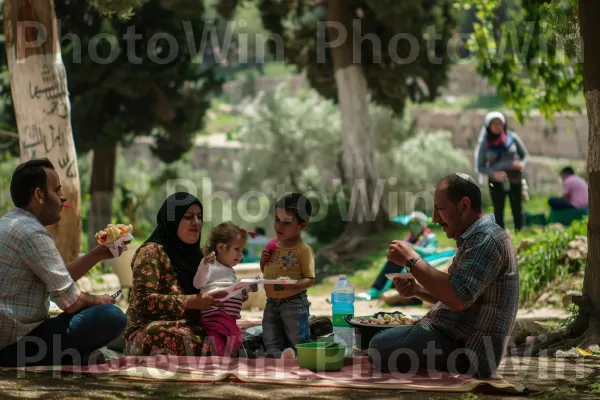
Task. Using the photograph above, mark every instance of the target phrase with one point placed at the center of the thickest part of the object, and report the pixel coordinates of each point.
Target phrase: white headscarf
(487, 120)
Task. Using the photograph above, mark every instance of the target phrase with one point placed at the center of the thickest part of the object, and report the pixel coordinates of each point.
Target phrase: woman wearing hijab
(501, 155)
(163, 302)
(423, 241)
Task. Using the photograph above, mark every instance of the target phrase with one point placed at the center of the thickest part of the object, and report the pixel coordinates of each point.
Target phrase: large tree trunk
(42, 109)
(367, 212)
(589, 14)
(101, 191)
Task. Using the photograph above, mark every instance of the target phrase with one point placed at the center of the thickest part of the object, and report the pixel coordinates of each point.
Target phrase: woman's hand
(204, 301)
(518, 166)
(499, 176)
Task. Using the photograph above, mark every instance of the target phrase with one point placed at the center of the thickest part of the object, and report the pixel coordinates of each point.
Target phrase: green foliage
(530, 57)
(393, 73)
(572, 314)
(289, 139)
(8, 164)
(122, 9)
(421, 161)
(293, 142)
(121, 88)
(545, 261)
(329, 228)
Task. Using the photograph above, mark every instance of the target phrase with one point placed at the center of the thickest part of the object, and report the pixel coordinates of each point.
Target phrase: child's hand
(265, 257)
(210, 258)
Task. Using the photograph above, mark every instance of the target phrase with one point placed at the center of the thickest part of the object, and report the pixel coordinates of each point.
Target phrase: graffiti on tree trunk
(40, 139)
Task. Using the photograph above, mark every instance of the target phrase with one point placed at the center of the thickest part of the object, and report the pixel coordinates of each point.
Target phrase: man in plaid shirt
(476, 302)
(31, 270)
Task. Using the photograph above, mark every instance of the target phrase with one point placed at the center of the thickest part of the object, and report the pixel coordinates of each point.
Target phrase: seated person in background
(33, 270)
(575, 191)
(420, 238)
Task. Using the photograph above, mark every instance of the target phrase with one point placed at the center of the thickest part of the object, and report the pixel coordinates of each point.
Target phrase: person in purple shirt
(575, 192)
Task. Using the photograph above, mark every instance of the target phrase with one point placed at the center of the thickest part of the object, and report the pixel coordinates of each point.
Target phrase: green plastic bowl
(321, 356)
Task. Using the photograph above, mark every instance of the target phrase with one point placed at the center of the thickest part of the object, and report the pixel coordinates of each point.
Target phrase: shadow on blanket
(357, 373)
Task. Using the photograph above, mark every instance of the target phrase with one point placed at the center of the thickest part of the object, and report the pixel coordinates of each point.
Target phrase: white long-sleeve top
(212, 277)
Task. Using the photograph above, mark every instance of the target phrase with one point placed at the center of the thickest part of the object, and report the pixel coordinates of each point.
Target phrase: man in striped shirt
(32, 271)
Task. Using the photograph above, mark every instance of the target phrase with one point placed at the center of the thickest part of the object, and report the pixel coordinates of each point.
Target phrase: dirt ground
(320, 306)
(554, 379)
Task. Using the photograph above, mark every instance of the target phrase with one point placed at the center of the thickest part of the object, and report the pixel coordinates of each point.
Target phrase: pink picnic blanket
(357, 373)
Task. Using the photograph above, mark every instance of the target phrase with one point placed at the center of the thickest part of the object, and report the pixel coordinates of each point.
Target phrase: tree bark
(589, 14)
(367, 212)
(42, 108)
(101, 191)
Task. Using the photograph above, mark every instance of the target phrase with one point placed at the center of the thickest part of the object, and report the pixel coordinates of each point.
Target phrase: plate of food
(368, 326)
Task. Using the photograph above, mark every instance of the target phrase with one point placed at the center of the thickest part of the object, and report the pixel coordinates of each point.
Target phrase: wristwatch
(411, 263)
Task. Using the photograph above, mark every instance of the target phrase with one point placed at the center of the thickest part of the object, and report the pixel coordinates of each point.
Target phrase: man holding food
(32, 271)
(476, 302)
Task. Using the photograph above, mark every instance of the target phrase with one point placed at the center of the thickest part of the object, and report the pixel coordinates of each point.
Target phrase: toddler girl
(223, 251)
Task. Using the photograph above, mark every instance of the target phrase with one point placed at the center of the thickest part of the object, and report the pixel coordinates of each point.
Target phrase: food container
(363, 333)
(321, 355)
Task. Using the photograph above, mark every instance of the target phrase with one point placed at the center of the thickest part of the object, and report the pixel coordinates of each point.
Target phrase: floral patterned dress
(158, 322)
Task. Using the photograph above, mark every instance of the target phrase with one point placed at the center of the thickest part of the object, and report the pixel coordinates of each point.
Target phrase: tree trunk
(42, 108)
(101, 191)
(589, 14)
(367, 212)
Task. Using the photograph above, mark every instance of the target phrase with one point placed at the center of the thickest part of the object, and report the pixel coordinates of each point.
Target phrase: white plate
(397, 275)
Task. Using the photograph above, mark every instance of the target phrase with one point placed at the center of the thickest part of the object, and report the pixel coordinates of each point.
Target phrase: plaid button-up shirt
(31, 270)
(485, 275)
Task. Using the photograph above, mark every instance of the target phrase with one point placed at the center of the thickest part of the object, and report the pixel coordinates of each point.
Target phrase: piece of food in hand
(112, 233)
(125, 229)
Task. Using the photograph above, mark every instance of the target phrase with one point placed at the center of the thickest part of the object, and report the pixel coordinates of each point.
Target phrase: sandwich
(112, 233)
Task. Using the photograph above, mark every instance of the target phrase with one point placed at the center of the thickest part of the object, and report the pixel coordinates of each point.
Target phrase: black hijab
(184, 257)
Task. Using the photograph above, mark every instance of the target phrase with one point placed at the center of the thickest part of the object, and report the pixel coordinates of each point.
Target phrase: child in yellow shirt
(285, 319)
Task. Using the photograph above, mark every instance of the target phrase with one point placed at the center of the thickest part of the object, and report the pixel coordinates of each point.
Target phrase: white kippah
(465, 177)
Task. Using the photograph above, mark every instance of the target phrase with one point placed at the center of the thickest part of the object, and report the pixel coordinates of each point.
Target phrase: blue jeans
(408, 349)
(285, 324)
(66, 338)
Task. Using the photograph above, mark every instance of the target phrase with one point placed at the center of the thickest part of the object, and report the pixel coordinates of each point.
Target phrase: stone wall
(219, 159)
(463, 80)
(567, 137)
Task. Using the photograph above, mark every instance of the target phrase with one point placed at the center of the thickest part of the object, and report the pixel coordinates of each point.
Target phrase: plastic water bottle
(342, 301)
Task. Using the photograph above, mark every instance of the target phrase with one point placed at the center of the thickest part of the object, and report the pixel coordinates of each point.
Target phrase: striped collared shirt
(31, 271)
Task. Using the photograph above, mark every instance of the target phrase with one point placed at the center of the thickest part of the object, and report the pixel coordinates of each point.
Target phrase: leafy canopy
(396, 70)
(122, 87)
(533, 57)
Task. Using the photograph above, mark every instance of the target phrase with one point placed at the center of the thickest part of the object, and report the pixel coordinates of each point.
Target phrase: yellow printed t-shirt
(296, 263)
